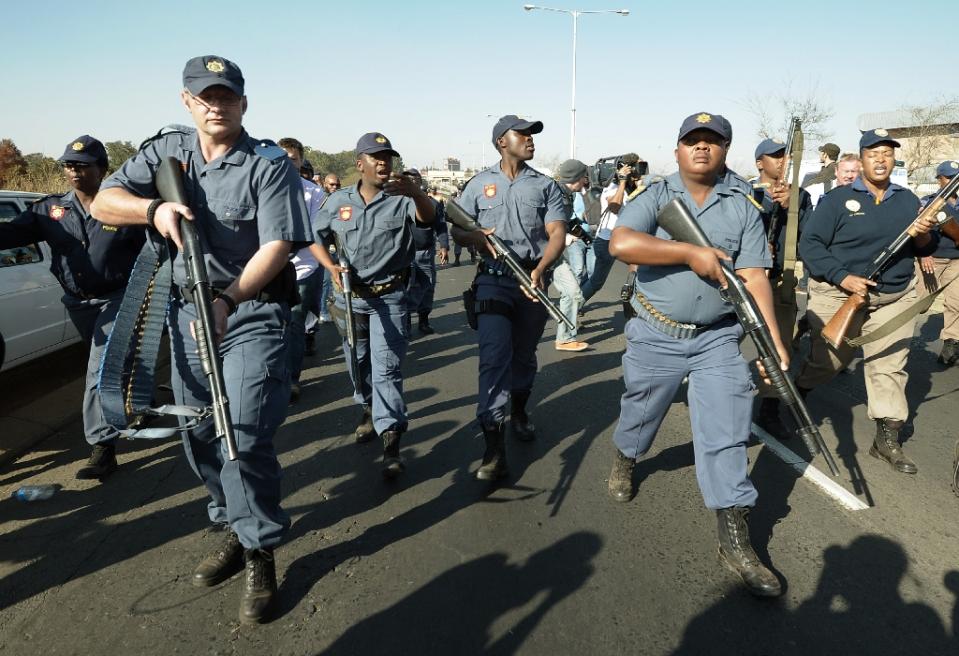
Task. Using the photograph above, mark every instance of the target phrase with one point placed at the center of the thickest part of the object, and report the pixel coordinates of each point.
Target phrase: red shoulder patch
(57, 212)
(489, 190)
(346, 213)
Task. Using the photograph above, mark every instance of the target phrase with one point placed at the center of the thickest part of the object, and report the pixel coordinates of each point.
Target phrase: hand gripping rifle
(462, 220)
(835, 331)
(169, 184)
(350, 316)
(676, 219)
(789, 173)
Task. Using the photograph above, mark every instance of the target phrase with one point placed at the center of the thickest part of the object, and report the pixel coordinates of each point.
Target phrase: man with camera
(627, 184)
(571, 177)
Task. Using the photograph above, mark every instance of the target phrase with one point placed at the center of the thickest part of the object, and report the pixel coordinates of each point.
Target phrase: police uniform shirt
(90, 259)
(248, 197)
(947, 248)
(764, 198)
(377, 237)
(518, 209)
(849, 229)
(730, 221)
(426, 236)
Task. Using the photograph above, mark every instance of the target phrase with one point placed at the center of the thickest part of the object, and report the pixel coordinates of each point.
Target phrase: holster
(469, 304)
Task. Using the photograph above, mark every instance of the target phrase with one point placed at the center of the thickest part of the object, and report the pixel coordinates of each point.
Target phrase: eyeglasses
(223, 101)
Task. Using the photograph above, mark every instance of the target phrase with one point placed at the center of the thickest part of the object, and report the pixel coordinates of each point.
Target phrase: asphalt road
(439, 563)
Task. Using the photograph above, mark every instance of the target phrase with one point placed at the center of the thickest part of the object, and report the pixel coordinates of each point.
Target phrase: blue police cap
(947, 169)
(201, 73)
(872, 137)
(514, 122)
(706, 121)
(374, 142)
(769, 147)
(85, 149)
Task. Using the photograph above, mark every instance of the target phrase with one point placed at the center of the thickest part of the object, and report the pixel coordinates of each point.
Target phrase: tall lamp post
(576, 13)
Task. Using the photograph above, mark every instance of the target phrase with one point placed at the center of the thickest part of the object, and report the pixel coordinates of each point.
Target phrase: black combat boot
(221, 564)
(364, 430)
(102, 462)
(424, 326)
(523, 428)
(392, 462)
(260, 589)
(736, 553)
(886, 446)
(494, 458)
(949, 353)
(621, 478)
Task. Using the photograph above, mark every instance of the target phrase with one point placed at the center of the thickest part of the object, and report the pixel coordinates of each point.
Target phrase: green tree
(118, 152)
(12, 162)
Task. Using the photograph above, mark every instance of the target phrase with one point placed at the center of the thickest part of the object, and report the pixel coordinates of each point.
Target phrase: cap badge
(704, 118)
(489, 190)
(77, 145)
(954, 165)
(57, 212)
(778, 141)
(215, 66)
(346, 213)
(853, 205)
(881, 133)
(380, 139)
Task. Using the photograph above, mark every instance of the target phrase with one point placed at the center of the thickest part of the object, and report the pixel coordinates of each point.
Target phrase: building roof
(901, 123)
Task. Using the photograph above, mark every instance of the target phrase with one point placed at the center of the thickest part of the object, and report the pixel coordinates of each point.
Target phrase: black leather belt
(390, 284)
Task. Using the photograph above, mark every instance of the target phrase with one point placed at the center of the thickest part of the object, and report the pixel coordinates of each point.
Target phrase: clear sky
(428, 73)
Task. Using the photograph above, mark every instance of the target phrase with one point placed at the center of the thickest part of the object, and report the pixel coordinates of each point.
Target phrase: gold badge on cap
(779, 141)
(853, 205)
(77, 145)
(881, 133)
(215, 66)
(954, 165)
(380, 139)
(704, 118)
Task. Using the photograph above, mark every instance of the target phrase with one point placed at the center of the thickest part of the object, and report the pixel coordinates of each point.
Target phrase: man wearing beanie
(572, 178)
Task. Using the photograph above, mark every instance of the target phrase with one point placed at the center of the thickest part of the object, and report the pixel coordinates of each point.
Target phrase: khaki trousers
(945, 272)
(884, 360)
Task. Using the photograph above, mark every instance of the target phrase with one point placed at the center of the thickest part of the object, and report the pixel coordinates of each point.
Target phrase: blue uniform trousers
(380, 350)
(422, 282)
(308, 288)
(507, 346)
(720, 403)
(599, 262)
(94, 319)
(245, 493)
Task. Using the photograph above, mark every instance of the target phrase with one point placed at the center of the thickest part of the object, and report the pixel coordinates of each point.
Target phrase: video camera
(575, 228)
(603, 173)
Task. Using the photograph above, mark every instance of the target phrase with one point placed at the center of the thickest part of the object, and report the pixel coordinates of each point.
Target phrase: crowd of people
(283, 244)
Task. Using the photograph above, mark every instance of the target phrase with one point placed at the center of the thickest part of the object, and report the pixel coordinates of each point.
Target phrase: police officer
(92, 262)
(773, 198)
(942, 268)
(527, 211)
(373, 222)
(423, 273)
(684, 327)
(851, 225)
(246, 202)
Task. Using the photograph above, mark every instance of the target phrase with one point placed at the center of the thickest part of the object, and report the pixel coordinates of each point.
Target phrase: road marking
(844, 497)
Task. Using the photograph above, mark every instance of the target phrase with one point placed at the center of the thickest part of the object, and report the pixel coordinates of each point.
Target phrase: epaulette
(173, 128)
(47, 197)
(269, 150)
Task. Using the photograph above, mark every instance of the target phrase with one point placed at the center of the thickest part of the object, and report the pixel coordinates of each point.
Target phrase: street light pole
(575, 13)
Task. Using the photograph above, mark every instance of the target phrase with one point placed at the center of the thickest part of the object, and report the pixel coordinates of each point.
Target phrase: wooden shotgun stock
(835, 331)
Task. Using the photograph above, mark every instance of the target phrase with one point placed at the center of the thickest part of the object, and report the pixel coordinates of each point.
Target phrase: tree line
(40, 173)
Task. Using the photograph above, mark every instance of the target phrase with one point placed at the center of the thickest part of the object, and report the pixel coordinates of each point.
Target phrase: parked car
(33, 321)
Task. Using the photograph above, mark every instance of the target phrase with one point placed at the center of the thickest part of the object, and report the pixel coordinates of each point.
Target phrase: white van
(33, 321)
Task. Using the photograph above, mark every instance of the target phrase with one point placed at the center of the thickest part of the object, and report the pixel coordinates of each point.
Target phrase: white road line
(844, 497)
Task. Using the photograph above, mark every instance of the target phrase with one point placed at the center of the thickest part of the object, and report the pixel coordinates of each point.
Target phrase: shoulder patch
(269, 150)
(173, 128)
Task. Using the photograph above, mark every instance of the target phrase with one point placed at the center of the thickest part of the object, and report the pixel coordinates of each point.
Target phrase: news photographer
(622, 188)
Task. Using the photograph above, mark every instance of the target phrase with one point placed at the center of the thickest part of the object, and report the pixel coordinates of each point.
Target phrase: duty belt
(645, 311)
(500, 269)
(394, 282)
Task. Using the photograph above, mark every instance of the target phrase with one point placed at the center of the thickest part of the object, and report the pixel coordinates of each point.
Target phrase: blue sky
(428, 73)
